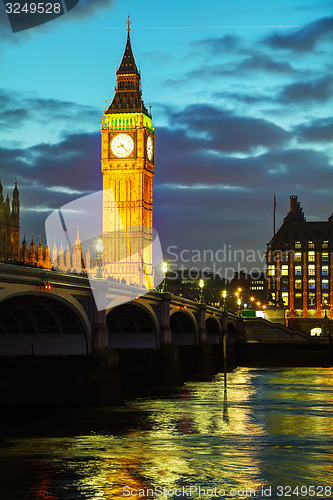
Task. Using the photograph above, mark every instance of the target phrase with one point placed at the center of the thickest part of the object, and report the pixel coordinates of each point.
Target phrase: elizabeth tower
(127, 163)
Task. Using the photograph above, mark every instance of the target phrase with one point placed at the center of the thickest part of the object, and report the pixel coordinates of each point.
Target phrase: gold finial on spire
(128, 24)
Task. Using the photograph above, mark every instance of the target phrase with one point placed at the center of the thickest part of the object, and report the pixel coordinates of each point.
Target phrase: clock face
(150, 148)
(122, 145)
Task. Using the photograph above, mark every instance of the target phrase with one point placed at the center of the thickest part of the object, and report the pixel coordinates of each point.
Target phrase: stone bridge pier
(161, 339)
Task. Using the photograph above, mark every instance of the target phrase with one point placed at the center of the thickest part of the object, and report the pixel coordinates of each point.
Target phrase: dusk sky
(241, 95)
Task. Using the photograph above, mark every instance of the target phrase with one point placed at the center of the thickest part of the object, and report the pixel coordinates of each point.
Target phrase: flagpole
(274, 210)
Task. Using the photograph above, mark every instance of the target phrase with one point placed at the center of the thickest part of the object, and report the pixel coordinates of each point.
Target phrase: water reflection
(271, 427)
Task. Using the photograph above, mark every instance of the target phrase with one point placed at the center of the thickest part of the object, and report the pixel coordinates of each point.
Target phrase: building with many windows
(300, 265)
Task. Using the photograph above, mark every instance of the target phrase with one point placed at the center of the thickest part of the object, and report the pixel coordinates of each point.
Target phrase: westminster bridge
(58, 349)
(50, 313)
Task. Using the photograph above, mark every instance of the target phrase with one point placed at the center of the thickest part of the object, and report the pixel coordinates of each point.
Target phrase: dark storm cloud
(195, 154)
(232, 198)
(225, 131)
(304, 39)
(316, 131)
(52, 175)
(319, 90)
(28, 107)
(264, 62)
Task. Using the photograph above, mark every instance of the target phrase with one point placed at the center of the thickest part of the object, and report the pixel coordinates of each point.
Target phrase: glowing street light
(224, 296)
(164, 270)
(239, 301)
(201, 286)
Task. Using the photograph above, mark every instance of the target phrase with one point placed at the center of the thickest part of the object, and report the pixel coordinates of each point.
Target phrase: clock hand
(122, 145)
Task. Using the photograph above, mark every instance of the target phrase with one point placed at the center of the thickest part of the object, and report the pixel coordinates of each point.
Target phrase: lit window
(298, 270)
(325, 244)
(298, 244)
(324, 270)
(312, 299)
(298, 296)
(311, 256)
(284, 284)
(298, 257)
(324, 257)
(324, 284)
(310, 244)
(284, 270)
(311, 270)
(285, 298)
(271, 270)
(312, 284)
(298, 284)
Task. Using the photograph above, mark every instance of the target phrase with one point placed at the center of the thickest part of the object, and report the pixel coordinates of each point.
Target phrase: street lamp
(164, 270)
(201, 285)
(224, 296)
(99, 248)
(239, 301)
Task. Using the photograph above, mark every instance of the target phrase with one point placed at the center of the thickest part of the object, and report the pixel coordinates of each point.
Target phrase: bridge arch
(132, 326)
(213, 329)
(42, 325)
(184, 328)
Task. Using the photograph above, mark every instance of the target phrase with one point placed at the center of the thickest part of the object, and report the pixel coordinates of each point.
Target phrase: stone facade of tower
(10, 225)
(127, 164)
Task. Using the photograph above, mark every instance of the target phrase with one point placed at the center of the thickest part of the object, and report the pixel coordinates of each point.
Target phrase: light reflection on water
(271, 427)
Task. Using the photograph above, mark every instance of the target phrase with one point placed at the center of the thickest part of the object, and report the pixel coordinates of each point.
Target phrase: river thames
(270, 435)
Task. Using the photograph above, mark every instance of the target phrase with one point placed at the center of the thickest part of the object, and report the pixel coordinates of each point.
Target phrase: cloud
(320, 130)
(31, 108)
(225, 131)
(222, 200)
(319, 90)
(41, 170)
(305, 39)
(248, 67)
(227, 43)
(264, 62)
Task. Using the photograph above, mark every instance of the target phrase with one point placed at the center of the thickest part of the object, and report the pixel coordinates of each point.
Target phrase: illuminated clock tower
(127, 162)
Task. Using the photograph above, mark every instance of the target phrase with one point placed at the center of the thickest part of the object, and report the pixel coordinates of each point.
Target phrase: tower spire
(128, 95)
(127, 65)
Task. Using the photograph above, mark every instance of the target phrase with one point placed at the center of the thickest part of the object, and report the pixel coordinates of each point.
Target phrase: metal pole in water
(225, 358)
